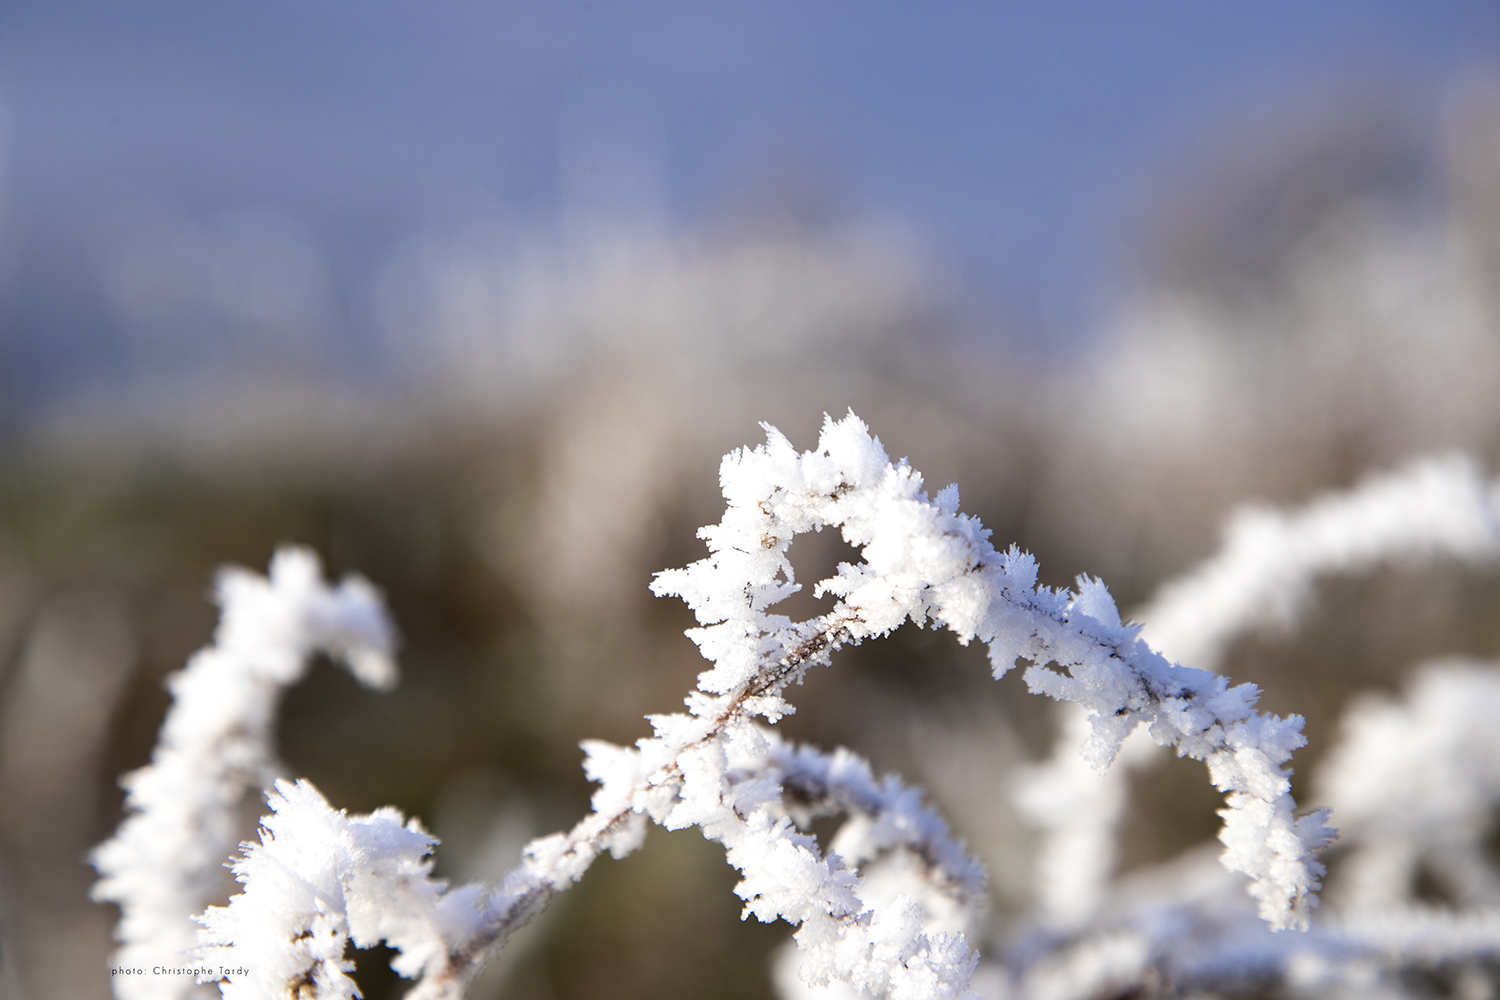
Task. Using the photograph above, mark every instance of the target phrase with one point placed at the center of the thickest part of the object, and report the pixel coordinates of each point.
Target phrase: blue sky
(1019, 141)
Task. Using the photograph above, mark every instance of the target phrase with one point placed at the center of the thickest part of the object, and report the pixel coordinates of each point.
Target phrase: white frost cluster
(165, 863)
(320, 879)
(901, 849)
(899, 846)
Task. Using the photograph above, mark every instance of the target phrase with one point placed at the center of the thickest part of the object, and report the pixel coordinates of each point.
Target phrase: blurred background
(471, 297)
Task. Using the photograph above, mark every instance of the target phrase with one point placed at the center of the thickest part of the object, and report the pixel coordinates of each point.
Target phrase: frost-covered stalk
(1437, 507)
(713, 767)
(889, 836)
(1416, 782)
(925, 562)
(164, 864)
(901, 849)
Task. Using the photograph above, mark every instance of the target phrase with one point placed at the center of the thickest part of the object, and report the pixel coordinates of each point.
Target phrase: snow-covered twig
(1438, 507)
(924, 562)
(164, 864)
(1183, 929)
(1416, 782)
(1435, 507)
(886, 826)
(318, 876)
(900, 848)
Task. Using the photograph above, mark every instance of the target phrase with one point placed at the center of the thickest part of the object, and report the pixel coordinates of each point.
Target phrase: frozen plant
(1436, 507)
(165, 862)
(319, 877)
(900, 846)
(1417, 782)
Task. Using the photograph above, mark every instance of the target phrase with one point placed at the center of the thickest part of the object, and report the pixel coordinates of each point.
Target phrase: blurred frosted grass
(550, 436)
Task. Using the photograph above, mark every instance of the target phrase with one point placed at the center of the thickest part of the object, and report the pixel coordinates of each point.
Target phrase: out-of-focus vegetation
(1331, 310)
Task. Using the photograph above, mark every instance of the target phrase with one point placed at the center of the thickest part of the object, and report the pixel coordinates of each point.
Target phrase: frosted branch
(163, 865)
(317, 874)
(1264, 573)
(1436, 507)
(923, 562)
(1417, 781)
(886, 823)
